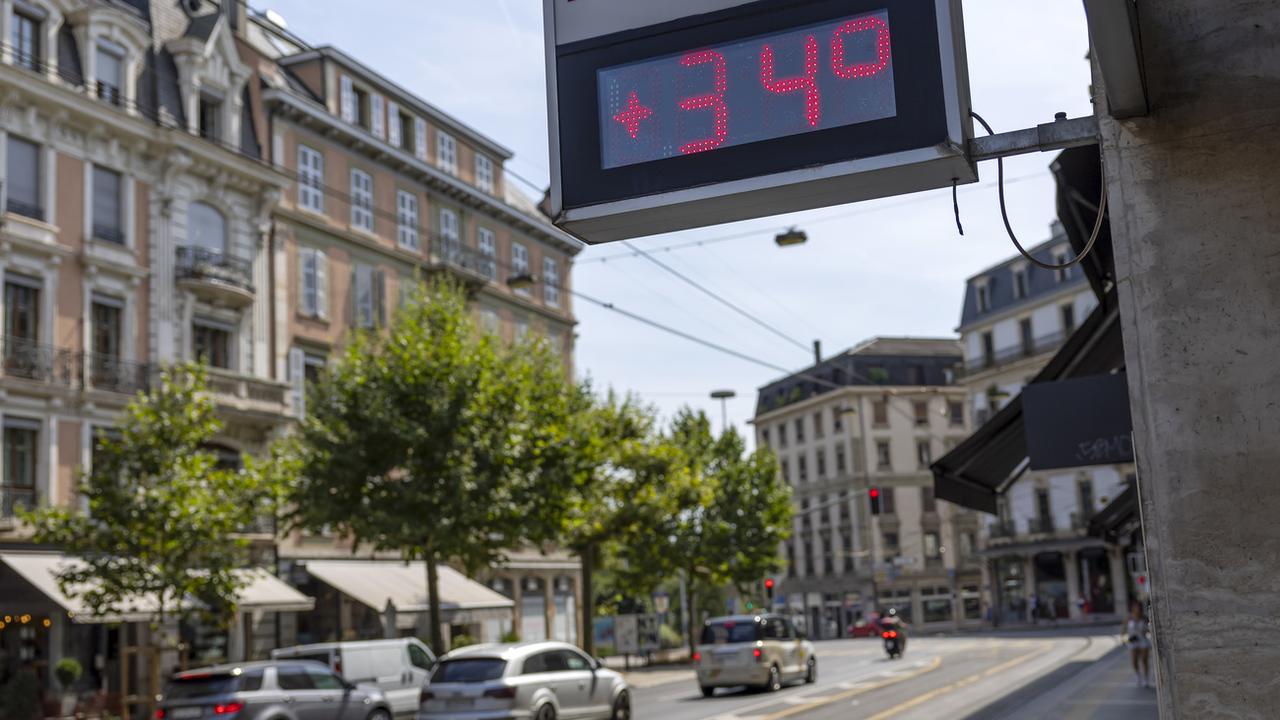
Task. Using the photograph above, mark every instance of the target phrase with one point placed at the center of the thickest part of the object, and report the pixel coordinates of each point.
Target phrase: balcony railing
(111, 373)
(31, 360)
(232, 386)
(110, 233)
(109, 93)
(1040, 345)
(12, 498)
(199, 263)
(453, 254)
(18, 207)
(1080, 521)
(1002, 529)
(1041, 525)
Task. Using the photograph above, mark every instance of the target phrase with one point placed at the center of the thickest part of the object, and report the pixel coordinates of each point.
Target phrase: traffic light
(768, 589)
(873, 495)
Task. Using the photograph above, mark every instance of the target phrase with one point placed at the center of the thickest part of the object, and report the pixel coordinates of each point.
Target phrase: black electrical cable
(1004, 214)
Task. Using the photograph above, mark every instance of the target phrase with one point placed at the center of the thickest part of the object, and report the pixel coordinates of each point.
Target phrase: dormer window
(484, 173)
(25, 38)
(446, 153)
(109, 69)
(364, 112)
(1060, 257)
(210, 117)
(984, 297)
(1019, 283)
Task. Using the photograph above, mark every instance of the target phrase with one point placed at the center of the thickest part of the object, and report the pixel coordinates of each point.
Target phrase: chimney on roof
(817, 352)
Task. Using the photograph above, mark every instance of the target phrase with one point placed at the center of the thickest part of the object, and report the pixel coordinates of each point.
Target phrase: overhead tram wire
(718, 298)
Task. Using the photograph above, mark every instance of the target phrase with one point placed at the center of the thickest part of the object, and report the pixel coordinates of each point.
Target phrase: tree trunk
(433, 601)
(588, 557)
(690, 613)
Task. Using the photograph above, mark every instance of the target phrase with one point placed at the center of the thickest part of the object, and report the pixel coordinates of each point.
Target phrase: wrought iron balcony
(219, 276)
(13, 498)
(32, 210)
(1039, 345)
(1002, 529)
(112, 374)
(471, 264)
(1041, 525)
(108, 92)
(34, 361)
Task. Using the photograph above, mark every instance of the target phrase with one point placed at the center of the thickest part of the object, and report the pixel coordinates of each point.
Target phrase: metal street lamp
(723, 396)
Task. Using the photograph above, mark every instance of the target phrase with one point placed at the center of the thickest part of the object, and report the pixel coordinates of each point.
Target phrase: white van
(399, 667)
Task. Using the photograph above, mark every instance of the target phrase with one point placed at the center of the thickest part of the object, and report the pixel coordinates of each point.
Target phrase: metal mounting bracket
(1057, 135)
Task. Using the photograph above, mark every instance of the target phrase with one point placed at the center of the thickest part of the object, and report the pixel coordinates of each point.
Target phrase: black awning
(980, 469)
(1118, 517)
(1078, 175)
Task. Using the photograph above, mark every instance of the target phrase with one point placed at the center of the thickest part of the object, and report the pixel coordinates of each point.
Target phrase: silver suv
(536, 680)
(276, 690)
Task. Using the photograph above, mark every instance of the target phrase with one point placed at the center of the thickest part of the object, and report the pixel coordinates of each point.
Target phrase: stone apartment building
(873, 416)
(183, 181)
(1041, 564)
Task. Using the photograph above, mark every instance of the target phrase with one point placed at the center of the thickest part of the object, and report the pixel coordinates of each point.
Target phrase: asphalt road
(970, 677)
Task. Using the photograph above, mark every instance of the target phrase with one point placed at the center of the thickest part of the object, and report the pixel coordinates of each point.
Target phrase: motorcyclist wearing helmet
(891, 621)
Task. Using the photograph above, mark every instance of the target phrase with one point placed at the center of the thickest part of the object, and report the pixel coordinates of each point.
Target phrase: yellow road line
(937, 660)
(956, 685)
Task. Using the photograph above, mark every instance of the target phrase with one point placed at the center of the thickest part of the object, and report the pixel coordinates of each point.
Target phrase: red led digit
(807, 82)
(713, 100)
(860, 70)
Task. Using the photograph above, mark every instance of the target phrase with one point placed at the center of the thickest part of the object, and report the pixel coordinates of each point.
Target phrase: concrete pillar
(549, 604)
(517, 599)
(1196, 231)
(1071, 563)
(1119, 580)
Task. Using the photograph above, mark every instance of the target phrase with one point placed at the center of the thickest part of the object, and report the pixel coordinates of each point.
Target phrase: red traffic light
(768, 583)
(875, 492)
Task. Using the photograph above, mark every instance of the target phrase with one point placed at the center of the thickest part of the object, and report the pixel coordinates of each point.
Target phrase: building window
(364, 113)
(802, 468)
(210, 112)
(408, 134)
(791, 560)
(522, 329)
(446, 153)
(782, 434)
(846, 544)
(921, 410)
(420, 138)
(1028, 339)
(786, 471)
(407, 220)
(108, 215)
(1068, 319)
(21, 312)
(394, 124)
(955, 412)
(313, 282)
(551, 282)
(310, 179)
(1086, 499)
(799, 430)
(361, 200)
(211, 343)
(489, 321)
(828, 561)
(488, 244)
(369, 289)
(984, 298)
(110, 73)
(1044, 514)
(520, 264)
(20, 448)
(883, 459)
(25, 40)
(932, 546)
(840, 461)
(817, 424)
(880, 412)
(988, 349)
(313, 365)
(924, 453)
(928, 503)
(888, 502)
(890, 545)
(806, 521)
(206, 228)
(1060, 257)
(837, 420)
(915, 375)
(764, 437)
(808, 557)
(106, 316)
(22, 179)
(822, 462)
(376, 116)
(1020, 283)
(484, 173)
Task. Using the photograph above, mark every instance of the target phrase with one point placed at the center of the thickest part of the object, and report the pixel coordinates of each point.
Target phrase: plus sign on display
(671, 114)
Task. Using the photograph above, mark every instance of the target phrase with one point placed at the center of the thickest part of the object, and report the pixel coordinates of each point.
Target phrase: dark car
(275, 690)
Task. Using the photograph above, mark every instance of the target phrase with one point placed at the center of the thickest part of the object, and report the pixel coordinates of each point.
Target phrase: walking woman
(1137, 635)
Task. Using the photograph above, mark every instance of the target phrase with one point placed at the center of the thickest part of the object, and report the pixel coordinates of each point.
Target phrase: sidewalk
(1105, 690)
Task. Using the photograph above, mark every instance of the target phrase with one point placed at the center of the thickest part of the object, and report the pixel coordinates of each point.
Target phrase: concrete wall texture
(1196, 221)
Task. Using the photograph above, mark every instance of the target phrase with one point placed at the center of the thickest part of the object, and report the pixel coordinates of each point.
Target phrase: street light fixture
(791, 236)
(723, 396)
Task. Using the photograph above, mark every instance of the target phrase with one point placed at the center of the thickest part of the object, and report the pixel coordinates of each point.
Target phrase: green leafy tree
(436, 440)
(163, 517)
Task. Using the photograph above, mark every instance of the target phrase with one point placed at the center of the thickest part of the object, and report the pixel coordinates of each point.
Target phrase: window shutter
(375, 117)
(298, 381)
(354, 293)
(380, 297)
(393, 123)
(306, 265)
(322, 284)
(420, 138)
(348, 100)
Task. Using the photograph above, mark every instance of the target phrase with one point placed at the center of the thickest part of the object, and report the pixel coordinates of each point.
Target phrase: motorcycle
(894, 643)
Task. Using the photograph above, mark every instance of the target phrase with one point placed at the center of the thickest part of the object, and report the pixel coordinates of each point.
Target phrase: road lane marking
(969, 680)
(889, 679)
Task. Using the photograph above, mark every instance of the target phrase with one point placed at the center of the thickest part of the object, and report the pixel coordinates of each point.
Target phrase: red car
(865, 628)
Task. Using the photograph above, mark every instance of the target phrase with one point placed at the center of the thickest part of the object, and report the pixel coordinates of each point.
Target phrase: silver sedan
(526, 681)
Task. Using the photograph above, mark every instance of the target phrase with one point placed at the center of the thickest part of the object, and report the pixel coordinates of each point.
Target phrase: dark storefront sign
(1079, 422)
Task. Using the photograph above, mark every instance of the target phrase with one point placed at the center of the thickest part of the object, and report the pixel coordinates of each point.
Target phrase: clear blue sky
(888, 267)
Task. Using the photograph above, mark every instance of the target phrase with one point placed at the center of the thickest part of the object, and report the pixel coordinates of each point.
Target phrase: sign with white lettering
(670, 114)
